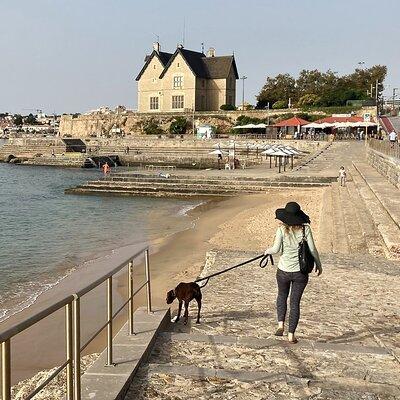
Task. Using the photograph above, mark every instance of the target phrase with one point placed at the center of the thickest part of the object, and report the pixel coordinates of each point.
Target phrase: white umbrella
(248, 126)
(218, 152)
(312, 125)
(363, 124)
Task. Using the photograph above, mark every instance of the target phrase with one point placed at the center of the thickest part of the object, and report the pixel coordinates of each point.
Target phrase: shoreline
(86, 271)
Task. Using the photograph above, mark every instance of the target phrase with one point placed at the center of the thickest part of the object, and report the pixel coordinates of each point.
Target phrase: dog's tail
(201, 287)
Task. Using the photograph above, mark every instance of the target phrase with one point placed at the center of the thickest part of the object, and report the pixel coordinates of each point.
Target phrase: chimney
(156, 47)
(211, 52)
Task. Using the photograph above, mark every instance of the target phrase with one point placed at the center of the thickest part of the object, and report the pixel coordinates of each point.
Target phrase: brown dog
(186, 292)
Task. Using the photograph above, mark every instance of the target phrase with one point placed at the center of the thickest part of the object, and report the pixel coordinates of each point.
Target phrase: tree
(315, 88)
(280, 88)
(151, 128)
(17, 119)
(178, 126)
(308, 100)
(30, 120)
(279, 105)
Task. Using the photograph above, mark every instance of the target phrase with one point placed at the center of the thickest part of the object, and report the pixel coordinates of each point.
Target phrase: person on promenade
(392, 138)
(288, 276)
(342, 176)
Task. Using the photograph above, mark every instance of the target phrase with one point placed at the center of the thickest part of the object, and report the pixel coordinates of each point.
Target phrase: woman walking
(288, 276)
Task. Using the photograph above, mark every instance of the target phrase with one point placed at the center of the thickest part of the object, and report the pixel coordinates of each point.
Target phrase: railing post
(68, 345)
(130, 294)
(6, 370)
(148, 286)
(109, 323)
(77, 349)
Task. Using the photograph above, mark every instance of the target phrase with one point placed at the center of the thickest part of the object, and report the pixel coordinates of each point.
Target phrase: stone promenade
(349, 331)
(349, 337)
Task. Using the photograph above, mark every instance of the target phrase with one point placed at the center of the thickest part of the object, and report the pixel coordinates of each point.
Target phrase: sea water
(44, 234)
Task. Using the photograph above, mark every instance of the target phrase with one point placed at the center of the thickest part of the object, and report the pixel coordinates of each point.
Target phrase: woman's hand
(318, 270)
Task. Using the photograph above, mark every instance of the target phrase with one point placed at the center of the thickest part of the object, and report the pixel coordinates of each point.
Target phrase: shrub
(228, 107)
(151, 128)
(279, 105)
(178, 126)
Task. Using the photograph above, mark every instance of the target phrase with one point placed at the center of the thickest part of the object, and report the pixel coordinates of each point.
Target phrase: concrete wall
(387, 166)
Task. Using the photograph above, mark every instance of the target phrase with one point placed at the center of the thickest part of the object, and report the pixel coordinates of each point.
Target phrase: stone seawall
(387, 166)
(132, 122)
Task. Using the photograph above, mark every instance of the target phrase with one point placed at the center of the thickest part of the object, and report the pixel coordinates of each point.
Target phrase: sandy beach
(245, 222)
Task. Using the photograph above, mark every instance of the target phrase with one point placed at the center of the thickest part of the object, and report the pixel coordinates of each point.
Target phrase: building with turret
(186, 80)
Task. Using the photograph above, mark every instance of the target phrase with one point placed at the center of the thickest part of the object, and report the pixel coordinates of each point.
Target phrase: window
(178, 81)
(178, 65)
(153, 103)
(177, 102)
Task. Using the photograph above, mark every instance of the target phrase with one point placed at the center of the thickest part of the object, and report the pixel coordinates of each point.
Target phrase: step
(387, 194)
(143, 193)
(384, 224)
(355, 237)
(369, 232)
(340, 241)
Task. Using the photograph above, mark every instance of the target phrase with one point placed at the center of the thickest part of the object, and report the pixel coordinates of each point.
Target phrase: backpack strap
(304, 232)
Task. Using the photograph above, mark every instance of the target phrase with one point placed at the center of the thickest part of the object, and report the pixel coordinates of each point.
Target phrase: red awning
(294, 121)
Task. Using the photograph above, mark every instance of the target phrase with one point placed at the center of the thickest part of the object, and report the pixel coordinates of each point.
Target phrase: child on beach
(342, 176)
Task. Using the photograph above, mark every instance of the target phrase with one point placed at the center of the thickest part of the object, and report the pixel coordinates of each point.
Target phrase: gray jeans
(295, 282)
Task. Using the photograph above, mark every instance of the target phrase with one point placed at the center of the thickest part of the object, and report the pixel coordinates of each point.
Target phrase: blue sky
(73, 56)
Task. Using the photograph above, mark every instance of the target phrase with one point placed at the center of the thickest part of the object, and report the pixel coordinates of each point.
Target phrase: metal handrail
(72, 329)
(391, 149)
(28, 322)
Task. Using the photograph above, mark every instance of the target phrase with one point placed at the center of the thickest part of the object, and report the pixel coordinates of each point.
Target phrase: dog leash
(263, 263)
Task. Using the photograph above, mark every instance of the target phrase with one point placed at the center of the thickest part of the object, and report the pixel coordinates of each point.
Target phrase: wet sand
(245, 222)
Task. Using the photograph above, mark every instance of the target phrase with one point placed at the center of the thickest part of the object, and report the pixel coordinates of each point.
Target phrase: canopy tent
(294, 121)
(292, 125)
(250, 126)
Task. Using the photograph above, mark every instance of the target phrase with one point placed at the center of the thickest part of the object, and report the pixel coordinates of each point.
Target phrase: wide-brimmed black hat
(292, 214)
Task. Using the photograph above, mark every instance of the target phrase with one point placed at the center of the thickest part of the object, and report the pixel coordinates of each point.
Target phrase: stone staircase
(342, 351)
(362, 224)
(135, 184)
(29, 151)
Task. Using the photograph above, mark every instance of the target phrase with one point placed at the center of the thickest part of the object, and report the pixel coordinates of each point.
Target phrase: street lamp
(243, 78)
(394, 96)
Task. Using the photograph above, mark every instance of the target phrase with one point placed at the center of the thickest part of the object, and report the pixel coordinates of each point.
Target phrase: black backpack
(306, 259)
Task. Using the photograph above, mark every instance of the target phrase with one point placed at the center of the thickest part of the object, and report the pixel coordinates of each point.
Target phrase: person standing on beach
(288, 276)
(106, 168)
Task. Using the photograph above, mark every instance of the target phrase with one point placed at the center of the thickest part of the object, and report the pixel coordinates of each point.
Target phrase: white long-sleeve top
(287, 242)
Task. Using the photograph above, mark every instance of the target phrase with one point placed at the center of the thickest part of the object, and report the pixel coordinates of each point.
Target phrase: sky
(68, 56)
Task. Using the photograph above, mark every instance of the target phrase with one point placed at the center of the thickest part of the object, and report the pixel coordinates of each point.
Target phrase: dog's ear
(170, 296)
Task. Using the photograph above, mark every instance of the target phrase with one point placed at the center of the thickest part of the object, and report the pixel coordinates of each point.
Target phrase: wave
(186, 209)
(29, 292)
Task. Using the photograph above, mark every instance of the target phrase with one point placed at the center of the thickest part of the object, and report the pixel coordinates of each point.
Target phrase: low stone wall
(387, 166)
(132, 122)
